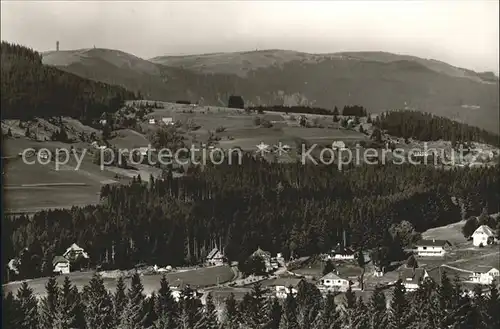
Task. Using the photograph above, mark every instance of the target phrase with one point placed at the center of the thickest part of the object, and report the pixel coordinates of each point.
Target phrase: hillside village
(473, 261)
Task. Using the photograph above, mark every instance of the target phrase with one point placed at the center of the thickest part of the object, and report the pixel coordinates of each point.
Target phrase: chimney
(345, 240)
(57, 45)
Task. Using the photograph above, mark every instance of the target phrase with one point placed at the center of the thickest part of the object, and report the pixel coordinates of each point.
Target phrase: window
(425, 248)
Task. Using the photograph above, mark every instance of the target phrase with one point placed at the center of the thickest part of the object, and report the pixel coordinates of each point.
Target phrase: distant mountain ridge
(379, 81)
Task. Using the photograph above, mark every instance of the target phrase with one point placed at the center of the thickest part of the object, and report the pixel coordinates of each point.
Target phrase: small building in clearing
(265, 256)
(74, 252)
(483, 236)
(334, 282)
(341, 253)
(432, 248)
(486, 276)
(413, 277)
(215, 257)
(168, 121)
(61, 265)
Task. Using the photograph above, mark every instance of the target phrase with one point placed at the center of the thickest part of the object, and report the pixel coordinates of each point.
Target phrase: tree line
(288, 208)
(429, 127)
(30, 89)
(348, 110)
(431, 306)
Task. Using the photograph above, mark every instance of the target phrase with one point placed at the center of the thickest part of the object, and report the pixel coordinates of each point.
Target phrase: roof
(433, 243)
(75, 247)
(415, 276)
(343, 251)
(484, 229)
(332, 276)
(261, 253)
(213, 253)
(59, 259)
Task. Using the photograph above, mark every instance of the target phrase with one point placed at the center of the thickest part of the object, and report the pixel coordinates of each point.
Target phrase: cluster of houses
(168, 121)
(429, 248)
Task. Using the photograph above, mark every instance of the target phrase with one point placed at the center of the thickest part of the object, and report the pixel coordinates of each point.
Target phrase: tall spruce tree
(134, 315)
(231, 313)
(398, 307)
(289, 313)
(98, 304)
(49, 306)
(10, 311)
(377, 307)
(119, 300)
(28, 308)
(166, 306)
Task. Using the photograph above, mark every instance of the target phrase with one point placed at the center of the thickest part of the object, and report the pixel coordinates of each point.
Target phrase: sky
(464, 33)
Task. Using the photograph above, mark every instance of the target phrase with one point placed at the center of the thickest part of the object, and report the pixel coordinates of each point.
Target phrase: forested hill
(29, 89)
(428, 127)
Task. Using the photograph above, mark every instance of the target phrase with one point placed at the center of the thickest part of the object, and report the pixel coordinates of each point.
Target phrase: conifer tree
(70, 307)
(330, 318)
(289, 313)
(209, 318)
(28, 308)
(10, 310)
(49, 306)
(377, 307)
(493, 306)
(134, 315)
(165, 306)
(98, 304)
(231, 314)
(274, 314)
(119, 300)
(398, 307)
(361, 319)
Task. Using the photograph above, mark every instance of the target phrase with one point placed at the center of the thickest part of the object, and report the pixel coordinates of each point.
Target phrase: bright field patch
(201, 277)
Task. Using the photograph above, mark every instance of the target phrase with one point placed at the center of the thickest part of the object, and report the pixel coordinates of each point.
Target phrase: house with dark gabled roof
(432, 248)
(413, 277)
(61, 265)
(215, 257)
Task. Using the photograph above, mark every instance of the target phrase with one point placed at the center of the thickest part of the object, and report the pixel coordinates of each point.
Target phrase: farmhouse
(152, 121)
(266, 257)
(61, 265)
(483, 236)
(413, 277)
(338, 145)
(168, 121)
(74, 252)
(342, 253)
(333, 281)
(485, 277)
(432, 248)
(215, 257)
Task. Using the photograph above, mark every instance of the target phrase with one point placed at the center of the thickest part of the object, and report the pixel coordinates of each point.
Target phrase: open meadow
(200, 277)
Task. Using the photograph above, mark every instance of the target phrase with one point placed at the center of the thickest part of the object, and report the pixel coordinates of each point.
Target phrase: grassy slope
(197, 278)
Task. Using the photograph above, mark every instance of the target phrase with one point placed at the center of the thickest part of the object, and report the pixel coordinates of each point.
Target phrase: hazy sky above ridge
(461, 32)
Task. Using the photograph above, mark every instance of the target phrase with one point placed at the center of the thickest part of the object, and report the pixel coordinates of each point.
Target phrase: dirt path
(462, 260)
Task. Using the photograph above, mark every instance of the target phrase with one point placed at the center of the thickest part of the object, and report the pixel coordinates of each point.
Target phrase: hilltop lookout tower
(57, 45)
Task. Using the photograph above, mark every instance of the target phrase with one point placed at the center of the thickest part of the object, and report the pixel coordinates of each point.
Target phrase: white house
(338, 145)
(61, 265)
(485, 277)
(74, 252)
(168, 121)
(215, 257)
(413, 277)
(483, 235)
(432, 248)
(333, 281)
(342, 254)
(283, 291)
(152, 121)
(266, 257)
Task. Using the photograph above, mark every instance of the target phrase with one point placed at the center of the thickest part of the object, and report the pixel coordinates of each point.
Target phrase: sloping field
(451, 232)
(197, 278)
